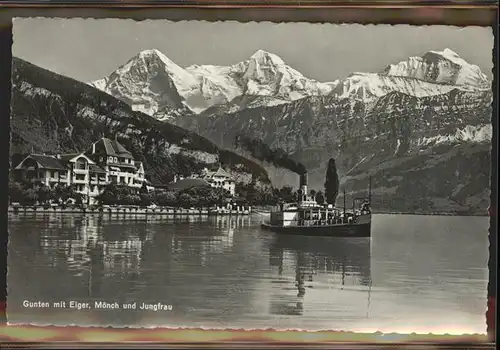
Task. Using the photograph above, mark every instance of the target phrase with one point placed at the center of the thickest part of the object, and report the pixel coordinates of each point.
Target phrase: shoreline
(137, 210)
(429, 213)
(263, 210)
(133, 210)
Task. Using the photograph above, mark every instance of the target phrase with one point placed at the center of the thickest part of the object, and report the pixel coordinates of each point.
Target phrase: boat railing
(320, 221)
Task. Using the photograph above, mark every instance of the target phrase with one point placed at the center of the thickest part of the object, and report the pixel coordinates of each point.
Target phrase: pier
(111, 210)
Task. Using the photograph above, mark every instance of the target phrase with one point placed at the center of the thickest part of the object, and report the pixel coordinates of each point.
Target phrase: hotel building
(107, 161)
(217, 179)
(220, 179)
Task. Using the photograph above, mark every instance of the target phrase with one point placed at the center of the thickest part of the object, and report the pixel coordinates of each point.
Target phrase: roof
(122, 165)
(108, 147)
(220, 173)
(154, 181)
(115, 148)
(47, 162)
(188, 183)
(67, 157)
(119, 149)
(96, 169)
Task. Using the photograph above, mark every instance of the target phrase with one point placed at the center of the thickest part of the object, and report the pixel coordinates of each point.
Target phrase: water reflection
(117, 242)
(345, 261)
(122, 258)
(227, 272)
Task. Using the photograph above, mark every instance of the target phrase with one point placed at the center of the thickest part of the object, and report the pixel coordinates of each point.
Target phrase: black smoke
(277, 156)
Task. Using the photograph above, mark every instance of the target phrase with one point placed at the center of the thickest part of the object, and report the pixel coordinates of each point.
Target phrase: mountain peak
(263, 56)
(447, 52)
(154, 54)
(440, 67)
(150, 52)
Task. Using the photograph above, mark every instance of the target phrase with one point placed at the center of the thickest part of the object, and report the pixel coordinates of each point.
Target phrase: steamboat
(307, 217)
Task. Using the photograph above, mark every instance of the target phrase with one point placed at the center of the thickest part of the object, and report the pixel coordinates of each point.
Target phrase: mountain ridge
(196, 88)
(397, 128)
(418, 119)
(435, 65)
(53, 113)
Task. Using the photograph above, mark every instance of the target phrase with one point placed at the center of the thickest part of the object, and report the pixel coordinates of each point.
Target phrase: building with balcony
(118, 162)
(42, 168)
(106, 162)
(217, 179)
(220, 179)
(65, 169)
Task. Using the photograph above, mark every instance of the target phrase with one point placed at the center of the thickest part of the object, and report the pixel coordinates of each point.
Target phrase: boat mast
(370, 190)
(344, 202)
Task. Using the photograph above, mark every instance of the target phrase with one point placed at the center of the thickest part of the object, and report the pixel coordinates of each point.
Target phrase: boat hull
(346, 230)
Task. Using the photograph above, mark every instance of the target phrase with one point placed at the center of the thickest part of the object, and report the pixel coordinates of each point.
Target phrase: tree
(287, 194)
(16, 191)
(331, 182)
(30, 197)
(145, 199)
(79, 200)
(44, 193)
(131, 199)
(166, 198)
(320, 198)
(185, 200)
(144, 189)
(113, 194)
(63, 192)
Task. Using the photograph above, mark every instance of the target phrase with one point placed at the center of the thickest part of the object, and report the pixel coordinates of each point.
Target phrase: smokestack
(303, 183)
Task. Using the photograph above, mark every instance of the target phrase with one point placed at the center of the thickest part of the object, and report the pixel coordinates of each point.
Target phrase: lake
(416, 274)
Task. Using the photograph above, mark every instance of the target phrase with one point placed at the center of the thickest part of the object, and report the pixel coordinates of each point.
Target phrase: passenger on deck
(365, 207)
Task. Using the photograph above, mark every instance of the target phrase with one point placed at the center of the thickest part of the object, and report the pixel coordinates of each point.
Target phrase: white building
(118, 162)
(220, 179)
(67, 169)
(106, 162)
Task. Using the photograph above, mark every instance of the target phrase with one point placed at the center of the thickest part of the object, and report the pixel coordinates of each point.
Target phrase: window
(115, 159)
(80, 177)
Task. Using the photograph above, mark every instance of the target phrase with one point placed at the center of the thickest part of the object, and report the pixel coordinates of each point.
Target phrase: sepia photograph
(229, 175)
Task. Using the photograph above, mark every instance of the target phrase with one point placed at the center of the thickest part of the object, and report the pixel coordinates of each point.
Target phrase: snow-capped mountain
(436, 72)
(369, 86)
(403, 141)
(52, 113)
(153, 84)
(440, 67)
(414, 123)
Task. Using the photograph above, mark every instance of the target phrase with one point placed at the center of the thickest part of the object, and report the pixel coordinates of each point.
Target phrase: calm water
(417, 273)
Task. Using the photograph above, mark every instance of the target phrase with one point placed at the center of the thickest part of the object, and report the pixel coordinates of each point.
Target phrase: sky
(89, 49)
